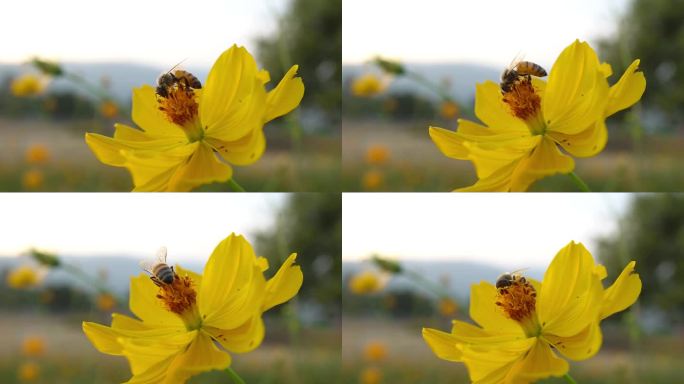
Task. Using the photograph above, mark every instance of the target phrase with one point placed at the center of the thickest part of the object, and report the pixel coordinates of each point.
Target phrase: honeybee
(176, 77)
(507, 279)
(517, 70)
(160, 272)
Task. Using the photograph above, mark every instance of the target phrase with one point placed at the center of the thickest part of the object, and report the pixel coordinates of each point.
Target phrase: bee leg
(156, 281)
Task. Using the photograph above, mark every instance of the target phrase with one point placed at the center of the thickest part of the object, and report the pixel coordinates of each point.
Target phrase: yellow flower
(368, 85)
(25, 277)
(526, 125)
(33, 179)
(371, 375)
(372, 180)
(449, 110)
(189, 136)
(366, 282)
(28, 372)
(522, 324)
(182, 324)
(377, 154)
(109, 109)
(375, 351)
(33, 346)
(105, 302)
(29, 85)
(37, 154)
(447, 307)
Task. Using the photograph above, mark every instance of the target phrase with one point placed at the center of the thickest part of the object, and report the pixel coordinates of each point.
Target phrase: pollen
(180, 296)
(523, 100)
(517, 300)
(180, 106)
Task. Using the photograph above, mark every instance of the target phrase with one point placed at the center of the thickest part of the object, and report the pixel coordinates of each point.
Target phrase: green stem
(84, 277)
(569, 379)
(235, 186)
(427, 284)
(234, 376)
(429, 85)
(579, 182)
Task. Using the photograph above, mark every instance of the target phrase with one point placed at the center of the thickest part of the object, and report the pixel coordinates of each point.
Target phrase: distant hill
(459, 274)
(462, 78)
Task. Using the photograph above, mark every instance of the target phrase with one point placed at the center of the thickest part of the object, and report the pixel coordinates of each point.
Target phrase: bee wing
(518, 58)
(517, 271)
(147, 265)
(161, 255)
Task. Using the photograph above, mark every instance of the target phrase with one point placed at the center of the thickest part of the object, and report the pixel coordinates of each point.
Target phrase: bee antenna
(174, 67)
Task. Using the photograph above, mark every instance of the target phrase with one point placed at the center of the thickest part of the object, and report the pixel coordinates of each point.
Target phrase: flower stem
(579, 182)
(234, 376)
(235, 186)
(569, 379)
(439, 91)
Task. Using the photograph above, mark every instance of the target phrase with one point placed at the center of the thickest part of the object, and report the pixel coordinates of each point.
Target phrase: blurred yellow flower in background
(371, 375)
(105, 302)
(366, 282)
(377, 155)
(33, 179)
(189, 134)
(24, 276)
(109, 109)
(29, 85)
(180, 322)
(368, 85)
(447, 306)
(33, 346)
(28, 372)
(37, 154)
(375, 351)
(525, 126)
(523, 324)
(449, 110)
(372, 180)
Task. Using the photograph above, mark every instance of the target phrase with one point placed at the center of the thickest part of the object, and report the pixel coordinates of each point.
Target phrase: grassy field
(410, 360)
(73, 167)
(71, 359)
(415, 163)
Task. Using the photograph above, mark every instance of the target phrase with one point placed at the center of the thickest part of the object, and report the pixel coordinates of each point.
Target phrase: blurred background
(107, 49)
(408, 262)
(65, 266)
(447, 47)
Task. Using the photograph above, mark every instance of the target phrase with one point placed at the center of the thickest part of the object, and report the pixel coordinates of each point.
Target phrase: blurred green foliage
(311, 225)
(652, 234)
(310, 34)
(653, 31)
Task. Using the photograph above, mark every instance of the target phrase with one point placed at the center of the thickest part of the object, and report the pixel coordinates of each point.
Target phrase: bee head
(504, 280)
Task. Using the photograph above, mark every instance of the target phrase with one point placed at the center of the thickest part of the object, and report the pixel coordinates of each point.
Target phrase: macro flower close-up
(532, 128)
(193, 323)
(524, 328)
(190, 133)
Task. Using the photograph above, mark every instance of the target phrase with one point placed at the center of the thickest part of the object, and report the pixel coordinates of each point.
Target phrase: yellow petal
(150, 359)
(587, 143)
(242, 339)
(263, 263)
(146, 115)
(286, 96)
(570, 293)
(244, 151)
(104, 339)
(576, 93)
(491, 110)
(545, 160)
(492, 363)
(233, 285)
(284, 285)
(483, 311)
(580, 346)
(499, 181)
(145, 304)
(443, 344)
(540, 362)
(202, 355)
(203, 167)
(196, 277)
(623, 293)
(627, 91)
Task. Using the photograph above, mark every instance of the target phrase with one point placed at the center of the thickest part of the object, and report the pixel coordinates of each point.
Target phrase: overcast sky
(161, 32)
(492, 228)
(483, 31)
(91, 224)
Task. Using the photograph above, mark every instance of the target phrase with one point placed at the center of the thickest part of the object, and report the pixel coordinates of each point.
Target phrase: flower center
(177, 100)
(525, 103)
(517, 300)
(180, 298)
